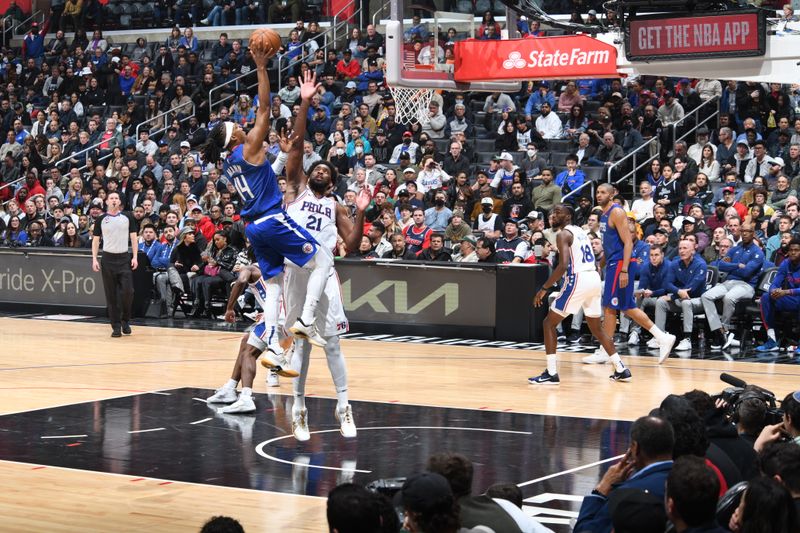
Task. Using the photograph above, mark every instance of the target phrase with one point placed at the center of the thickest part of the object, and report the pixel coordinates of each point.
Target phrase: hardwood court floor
(46, 364)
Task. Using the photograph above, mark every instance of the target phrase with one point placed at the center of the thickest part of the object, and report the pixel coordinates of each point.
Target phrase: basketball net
(411, 105)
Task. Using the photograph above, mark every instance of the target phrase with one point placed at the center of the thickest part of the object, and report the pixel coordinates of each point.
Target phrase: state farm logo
(514, 61)
(557, 58)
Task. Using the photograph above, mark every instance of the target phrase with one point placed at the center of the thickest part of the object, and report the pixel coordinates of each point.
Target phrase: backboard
(424, 65)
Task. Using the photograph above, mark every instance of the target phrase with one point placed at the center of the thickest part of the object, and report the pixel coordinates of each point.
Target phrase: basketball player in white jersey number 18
(309, 202)
(582, 289)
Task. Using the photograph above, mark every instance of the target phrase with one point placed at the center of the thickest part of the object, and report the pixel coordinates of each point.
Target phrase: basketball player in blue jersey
(582, 289)
(273, 235)
(618, 292)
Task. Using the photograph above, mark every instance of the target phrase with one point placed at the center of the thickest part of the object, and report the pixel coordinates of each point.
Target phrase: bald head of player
(321, 177)
(605, 194)
(562, 216)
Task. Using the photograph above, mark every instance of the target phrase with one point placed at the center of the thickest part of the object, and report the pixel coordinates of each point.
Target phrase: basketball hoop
(411, 105)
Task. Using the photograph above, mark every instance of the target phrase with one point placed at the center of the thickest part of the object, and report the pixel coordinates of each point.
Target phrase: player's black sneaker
(625, 375)
(545, 379)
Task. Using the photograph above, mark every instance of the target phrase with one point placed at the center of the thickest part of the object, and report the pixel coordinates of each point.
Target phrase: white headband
(228, 134)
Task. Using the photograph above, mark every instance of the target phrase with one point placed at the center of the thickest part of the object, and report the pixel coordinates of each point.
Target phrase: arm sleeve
(98, 228)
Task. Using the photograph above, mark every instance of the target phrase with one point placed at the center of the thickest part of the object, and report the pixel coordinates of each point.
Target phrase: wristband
(623, 271)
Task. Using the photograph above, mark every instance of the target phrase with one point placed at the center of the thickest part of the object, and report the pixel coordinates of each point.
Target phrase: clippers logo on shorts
(614, 301)
(308, 248)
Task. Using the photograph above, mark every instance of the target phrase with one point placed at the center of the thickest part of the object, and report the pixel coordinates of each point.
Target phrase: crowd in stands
(694, 464)
(474, 183)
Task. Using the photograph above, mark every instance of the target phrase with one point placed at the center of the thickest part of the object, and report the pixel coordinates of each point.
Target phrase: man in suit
(646, 466)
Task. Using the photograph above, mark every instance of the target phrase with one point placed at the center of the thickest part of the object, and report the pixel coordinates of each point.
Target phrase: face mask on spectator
(531, 153)
(340, 151)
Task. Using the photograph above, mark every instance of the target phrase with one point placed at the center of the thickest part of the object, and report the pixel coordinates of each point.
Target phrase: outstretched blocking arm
(253, 148)
(294, 165)
(351, 232)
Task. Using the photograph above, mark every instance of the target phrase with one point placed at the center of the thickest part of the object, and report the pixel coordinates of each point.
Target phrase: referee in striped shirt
(115, 228)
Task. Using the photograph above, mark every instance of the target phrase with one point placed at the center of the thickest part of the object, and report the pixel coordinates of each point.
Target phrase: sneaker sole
(590, 362)
(278, 369)
(300, 334)
(299, 439)
(620, 380)
(209, 400)
(544, 382)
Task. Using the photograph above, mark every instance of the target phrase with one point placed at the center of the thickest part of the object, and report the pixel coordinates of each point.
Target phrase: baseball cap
(407, 134)
(470, 238)
(86, 71)
(403, 193)
(115, 59)
(197, 208)
(191, 198)
(97, 202)
(617, 94)
(351, 85)
(227, 220)
(65, 219)
(636, 510)
(684, 81)
(185, 144)
(667, 94)
(162, 142)
(721, 202)
(646, 94)
(728, 189)
(661, 231)
(689, 220)
(408, 169)
(533, 215)
(544, 84)
(185, 231)
(592, 12)
(504, 156)
(372, 63)
(487, 201)
(380, 131)
(425, 492)
(779, 161)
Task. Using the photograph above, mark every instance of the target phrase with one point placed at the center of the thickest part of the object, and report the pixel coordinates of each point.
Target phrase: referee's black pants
(118, 286)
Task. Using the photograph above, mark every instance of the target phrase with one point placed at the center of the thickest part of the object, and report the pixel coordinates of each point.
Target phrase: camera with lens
(740, 391)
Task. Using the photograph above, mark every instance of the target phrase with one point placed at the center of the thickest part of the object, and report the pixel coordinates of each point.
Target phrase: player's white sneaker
(272, 379)
(599, 357)
(346, 423)
(244, 404)
(652, 343)
(300, 425)
(633, 339)
(300, 329)
(665, 346)
(277, 363)
(223, 395)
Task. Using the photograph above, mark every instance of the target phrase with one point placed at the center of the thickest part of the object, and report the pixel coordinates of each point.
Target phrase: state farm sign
(541, 58)
(699, 35)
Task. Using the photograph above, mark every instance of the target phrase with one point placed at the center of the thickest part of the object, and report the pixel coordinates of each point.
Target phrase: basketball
(267, 40)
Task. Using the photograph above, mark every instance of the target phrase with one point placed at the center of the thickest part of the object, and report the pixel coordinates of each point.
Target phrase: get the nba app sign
(717, 35)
